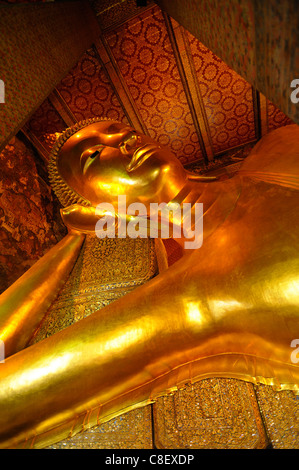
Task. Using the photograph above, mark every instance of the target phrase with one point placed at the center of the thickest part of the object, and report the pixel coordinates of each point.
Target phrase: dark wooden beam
(263, 114)
(41, 150)
(190, 85)
(119, 85)
(62, 108)
(257, 113)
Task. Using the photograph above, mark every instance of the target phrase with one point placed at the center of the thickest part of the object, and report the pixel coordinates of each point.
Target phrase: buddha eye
(94, 154)
(89, 155)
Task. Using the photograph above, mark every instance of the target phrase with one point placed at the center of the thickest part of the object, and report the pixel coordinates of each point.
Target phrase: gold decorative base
(106, 269)
(132, 430)
(210, 414)
(280, 413)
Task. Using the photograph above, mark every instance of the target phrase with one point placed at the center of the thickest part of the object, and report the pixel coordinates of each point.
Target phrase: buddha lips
(164, 220)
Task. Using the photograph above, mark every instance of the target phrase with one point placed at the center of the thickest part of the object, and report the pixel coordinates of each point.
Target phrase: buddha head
(97, 160)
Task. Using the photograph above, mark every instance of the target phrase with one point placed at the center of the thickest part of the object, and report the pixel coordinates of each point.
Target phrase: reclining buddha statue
(229, 307)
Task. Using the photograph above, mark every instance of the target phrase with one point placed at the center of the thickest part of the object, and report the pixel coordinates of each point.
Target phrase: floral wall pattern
(87, 91)
(142, 52)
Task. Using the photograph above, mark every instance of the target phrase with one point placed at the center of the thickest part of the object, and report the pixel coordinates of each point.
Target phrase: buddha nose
(129, 144)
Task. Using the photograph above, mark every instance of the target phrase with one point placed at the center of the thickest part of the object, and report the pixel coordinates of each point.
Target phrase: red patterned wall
(143, 52)
(276, 118)
(258, 39)
(143, 56)
(227, 99)
(88, 92)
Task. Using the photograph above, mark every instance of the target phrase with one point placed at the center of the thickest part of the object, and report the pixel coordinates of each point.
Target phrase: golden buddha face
(106, 159)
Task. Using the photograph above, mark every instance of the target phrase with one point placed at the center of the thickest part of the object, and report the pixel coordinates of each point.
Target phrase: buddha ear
(84, 219)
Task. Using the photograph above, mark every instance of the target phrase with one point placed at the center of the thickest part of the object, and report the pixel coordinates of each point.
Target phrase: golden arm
(24, 304)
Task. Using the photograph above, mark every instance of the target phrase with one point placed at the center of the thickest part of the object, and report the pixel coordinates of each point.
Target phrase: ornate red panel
(227, 99)
(88, 93)
(276, 118)
(143, 52)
